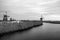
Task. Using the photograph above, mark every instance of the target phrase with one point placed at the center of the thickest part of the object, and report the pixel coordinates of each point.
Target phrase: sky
(31, 9)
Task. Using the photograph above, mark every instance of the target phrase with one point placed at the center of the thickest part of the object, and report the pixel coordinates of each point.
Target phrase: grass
(6, 27)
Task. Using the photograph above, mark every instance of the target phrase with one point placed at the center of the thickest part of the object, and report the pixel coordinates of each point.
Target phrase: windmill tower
(5, 16)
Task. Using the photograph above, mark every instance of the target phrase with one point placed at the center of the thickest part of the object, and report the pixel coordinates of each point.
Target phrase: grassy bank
(6, 27)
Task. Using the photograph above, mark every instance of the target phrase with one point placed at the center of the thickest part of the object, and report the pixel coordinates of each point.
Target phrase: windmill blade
(2, 12)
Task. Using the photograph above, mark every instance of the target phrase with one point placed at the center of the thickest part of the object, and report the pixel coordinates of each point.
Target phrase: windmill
(41, 19)
(5, 16)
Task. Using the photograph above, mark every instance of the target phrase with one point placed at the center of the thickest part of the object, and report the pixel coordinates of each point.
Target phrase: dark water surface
(46, 31)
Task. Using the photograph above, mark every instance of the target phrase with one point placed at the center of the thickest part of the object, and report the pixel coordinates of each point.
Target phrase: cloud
(23, 8)
(52, 17)
(48, 2)
(25, 5)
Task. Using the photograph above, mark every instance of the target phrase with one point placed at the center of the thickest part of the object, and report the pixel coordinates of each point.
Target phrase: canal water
(46, 31)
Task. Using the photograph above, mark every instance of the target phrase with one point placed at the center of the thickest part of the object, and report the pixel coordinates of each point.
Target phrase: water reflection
(47, 31)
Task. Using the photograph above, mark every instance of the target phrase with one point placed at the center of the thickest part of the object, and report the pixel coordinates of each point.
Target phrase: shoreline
(26, 25)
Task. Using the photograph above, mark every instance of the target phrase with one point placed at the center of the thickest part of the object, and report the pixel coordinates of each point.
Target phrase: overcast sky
(31, 9)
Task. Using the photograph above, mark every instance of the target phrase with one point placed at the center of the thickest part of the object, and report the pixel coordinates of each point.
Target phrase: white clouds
(33, 5)
(48, 2)
(52, 17)
(19, 7)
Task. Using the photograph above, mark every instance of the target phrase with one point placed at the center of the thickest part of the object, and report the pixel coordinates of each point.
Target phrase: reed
(11, 26)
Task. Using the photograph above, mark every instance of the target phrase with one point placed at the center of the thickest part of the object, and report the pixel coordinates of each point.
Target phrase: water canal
(46, 31)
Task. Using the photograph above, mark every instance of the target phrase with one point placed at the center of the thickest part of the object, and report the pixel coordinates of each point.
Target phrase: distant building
(11, 19)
